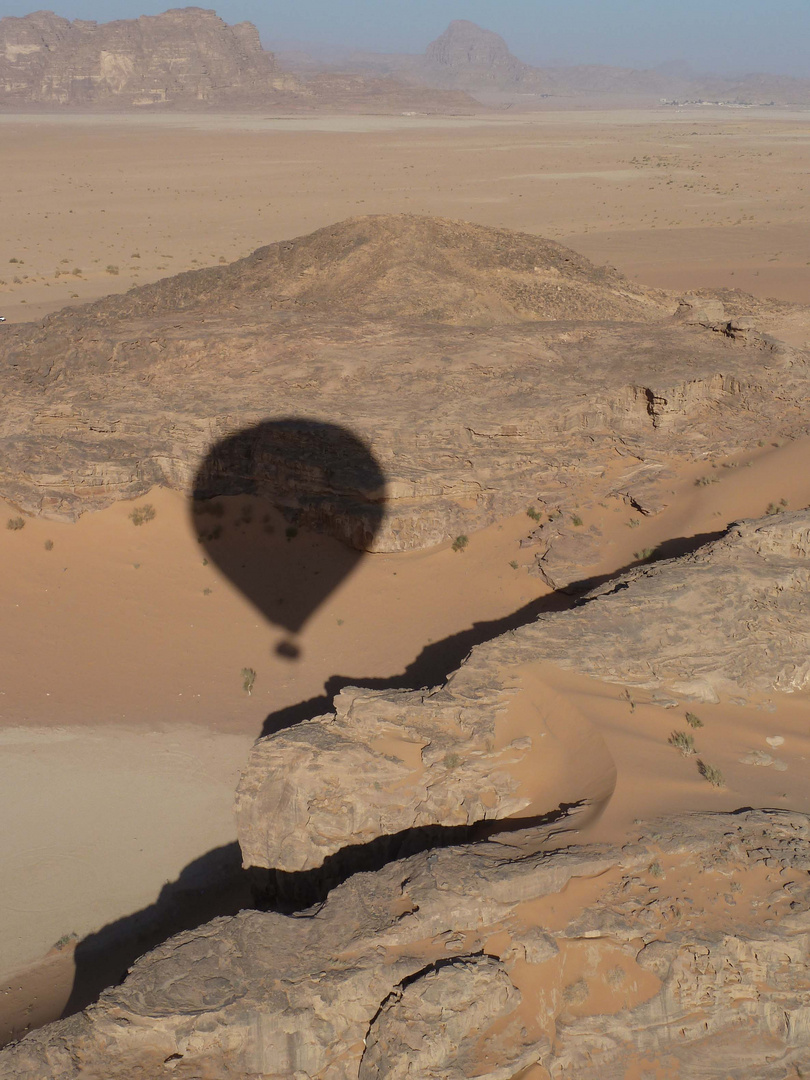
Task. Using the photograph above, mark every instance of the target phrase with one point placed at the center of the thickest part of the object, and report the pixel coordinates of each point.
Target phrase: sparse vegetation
(704, 481)
(48, 545)
(112, 269)
(683, 741)
(644, 554)
(452, 761)
(655, 870)
(693, 720)
(533, 514)
(776, 508)
(207, 592)
(64, 940)
(248, 679)
(141, 514)
(576, 520)
(711, 773)
(633, 523)
(460, 542)
(514, 564)
(15, 524)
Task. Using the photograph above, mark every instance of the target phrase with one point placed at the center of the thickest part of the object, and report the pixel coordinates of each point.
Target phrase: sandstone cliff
(184, 55)
(439, 966)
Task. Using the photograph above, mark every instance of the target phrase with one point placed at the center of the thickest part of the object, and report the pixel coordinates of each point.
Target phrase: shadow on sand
(216, 884)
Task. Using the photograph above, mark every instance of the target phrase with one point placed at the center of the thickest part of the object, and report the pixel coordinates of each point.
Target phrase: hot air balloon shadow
(309, 484)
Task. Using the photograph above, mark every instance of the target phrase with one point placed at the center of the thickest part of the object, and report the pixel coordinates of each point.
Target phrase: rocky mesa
(515, 368)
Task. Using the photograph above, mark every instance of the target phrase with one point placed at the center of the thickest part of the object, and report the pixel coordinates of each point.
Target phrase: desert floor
(123, 720)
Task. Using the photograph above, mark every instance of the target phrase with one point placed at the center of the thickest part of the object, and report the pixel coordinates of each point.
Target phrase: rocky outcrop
(486, 370)
(732, 617)
(186, 57)
(183, 55)
(687, 944)
(469, 56)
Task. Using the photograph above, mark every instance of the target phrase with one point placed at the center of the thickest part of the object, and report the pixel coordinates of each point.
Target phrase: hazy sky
(714, 35)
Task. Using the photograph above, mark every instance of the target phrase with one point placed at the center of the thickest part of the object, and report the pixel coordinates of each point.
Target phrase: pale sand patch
(97, 820)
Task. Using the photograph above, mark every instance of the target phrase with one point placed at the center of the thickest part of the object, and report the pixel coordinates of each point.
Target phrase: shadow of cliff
(216, 884)
(438, 659)
(212, 885)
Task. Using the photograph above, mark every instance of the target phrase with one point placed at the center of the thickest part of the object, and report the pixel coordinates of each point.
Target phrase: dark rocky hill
(486, 370)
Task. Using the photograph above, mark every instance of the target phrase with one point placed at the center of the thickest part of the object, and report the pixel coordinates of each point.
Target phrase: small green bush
(141, 514)
(15, 524)
(576, 520)
(710, 773)
(460, 542)
(533, 514)
(682, 741)
(693, 720)
(514, 564)
(644, 554)
(248, 679)
(655, 870)
(111, 269)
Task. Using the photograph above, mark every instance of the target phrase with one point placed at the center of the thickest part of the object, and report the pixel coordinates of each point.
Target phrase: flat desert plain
(123, 717)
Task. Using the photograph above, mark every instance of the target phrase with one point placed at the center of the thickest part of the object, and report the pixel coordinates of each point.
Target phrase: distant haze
(722, 36)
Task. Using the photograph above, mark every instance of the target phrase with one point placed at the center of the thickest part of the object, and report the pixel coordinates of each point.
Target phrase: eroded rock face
(687, 944)
(732, 617)
(183, 55)
(486, 370)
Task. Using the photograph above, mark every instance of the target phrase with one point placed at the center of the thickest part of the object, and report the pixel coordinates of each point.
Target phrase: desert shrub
(452, 761)
(248, 679)
(460, 542)
(682, 741)
(49, 545)
(633, 523)
(710, 773)
(141, 514)
(693, 720)
(533, 514)
(655, 870)
(15, 524)
(514, 564)
(112, 269)
(704, 481)
(576, 520)
(645, 553)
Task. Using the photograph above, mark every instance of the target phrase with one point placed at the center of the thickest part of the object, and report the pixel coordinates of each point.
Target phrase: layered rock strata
(183, 55)
(731, 618)
(686, 945)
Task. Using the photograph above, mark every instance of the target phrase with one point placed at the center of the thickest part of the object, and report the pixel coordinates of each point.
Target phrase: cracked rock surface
(731, 617)
(687, 943)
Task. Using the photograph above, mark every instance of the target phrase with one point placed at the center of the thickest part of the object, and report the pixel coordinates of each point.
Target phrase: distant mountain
(470, 58)
(184, 57)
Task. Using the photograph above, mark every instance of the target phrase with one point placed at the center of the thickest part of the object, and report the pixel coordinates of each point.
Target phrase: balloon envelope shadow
(309, 483)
